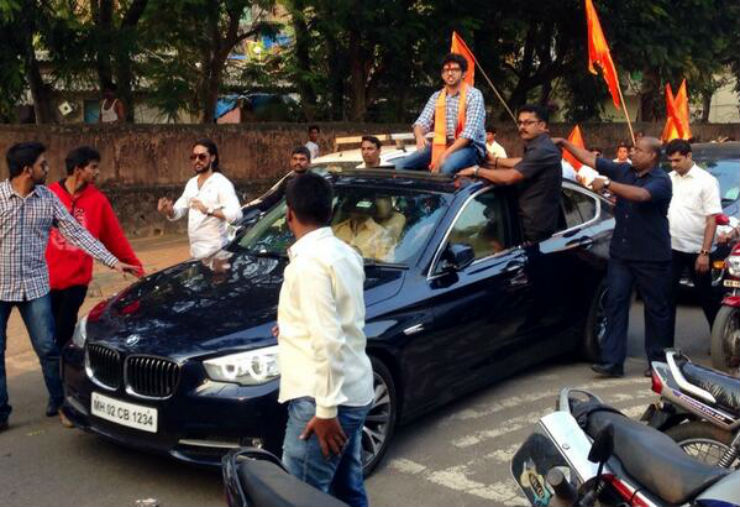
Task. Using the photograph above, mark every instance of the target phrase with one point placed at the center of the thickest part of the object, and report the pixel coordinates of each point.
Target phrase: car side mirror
(458, 256)
(603, 446)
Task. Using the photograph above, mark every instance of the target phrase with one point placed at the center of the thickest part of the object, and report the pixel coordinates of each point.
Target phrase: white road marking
(517, 401)
(407, 466)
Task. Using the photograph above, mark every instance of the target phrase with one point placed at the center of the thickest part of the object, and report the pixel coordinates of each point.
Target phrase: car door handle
(581, 242)
(514, 266)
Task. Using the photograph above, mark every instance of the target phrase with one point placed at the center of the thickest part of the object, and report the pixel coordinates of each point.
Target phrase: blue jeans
(460, 159)
(341, 475)
(653, 280)
(39, 322)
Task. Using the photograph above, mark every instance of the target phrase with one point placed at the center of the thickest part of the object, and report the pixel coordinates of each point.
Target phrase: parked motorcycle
(725, 341)
(586, 453)
(699, 408)
(256, 478)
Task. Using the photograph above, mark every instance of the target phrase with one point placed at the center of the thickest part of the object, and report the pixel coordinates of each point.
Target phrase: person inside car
(388, 217)
(360, 231)
(300, 160)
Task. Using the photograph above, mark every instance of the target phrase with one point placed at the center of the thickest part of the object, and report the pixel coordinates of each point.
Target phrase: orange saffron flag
(598, 53)
(670, 131)
(681, 111)
(575, 137)
(459, 47)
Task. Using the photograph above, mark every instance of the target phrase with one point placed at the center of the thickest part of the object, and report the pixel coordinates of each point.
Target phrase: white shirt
(496, 149)
(695, 196)
(208, 234)
(313, 148)
(321, 316)
(568, 172)
(628, 161)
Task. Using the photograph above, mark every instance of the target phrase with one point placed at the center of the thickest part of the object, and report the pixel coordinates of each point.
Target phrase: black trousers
(709, 298)
(653, 280)
(65, 304)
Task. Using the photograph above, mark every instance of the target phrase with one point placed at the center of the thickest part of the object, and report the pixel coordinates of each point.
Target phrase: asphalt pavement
(457, 456)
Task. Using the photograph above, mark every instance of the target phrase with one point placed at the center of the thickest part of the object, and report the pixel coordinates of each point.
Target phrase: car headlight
(733, 265)
(246, 368)
(79, 337)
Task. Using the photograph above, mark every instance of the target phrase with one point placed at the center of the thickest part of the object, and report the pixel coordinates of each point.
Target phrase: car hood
(198, 307)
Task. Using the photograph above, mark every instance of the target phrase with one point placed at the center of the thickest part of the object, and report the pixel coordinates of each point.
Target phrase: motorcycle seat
(654, 460)
(724, 388)
(267, 485)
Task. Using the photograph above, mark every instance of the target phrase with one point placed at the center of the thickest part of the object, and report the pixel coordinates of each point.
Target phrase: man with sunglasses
(209, 200)
(538, 175)
(457, 114)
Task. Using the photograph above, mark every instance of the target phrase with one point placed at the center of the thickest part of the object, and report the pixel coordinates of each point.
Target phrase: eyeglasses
(200, 156)
(527, 123)
(451, 70)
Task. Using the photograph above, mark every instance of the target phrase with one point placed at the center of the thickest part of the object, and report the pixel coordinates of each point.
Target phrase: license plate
(124, 413)
(732, 283)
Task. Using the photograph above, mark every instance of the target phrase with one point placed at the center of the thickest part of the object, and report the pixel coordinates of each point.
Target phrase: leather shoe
(608, 370)
(52, 408)
(4, 425)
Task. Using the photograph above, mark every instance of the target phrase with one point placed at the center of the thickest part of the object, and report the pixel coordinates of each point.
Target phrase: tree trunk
(303, 61)
(336, 78)
(103, 14)
(39, 91)
(706, 105)
(124, 78)
(357, 79)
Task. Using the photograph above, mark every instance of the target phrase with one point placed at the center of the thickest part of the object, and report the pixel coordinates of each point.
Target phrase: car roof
(387, 153)
(416, 180)
(703, 151)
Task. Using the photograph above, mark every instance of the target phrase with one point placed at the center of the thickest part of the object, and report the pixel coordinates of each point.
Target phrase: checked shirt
(25, 224)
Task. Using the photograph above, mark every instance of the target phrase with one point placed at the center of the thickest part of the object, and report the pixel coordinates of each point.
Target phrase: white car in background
(395, 147)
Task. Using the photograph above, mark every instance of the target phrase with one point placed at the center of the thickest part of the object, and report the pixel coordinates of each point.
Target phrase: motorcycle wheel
(725, 341)
(703, 441)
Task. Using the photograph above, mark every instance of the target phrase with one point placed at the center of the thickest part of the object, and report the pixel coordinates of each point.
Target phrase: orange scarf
(439, 144)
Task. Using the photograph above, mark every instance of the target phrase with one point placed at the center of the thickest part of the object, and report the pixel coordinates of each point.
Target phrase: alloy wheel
(378, 421)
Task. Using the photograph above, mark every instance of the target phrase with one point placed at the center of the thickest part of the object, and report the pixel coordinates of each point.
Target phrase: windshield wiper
(383, 264)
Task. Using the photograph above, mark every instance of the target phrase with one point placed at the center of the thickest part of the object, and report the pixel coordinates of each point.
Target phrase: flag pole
(498, 95)
(626, 114)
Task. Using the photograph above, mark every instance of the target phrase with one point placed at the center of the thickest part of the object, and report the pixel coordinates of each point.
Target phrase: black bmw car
(183, 361)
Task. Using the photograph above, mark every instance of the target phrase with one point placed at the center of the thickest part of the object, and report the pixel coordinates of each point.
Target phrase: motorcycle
(586, 453)
(699, 408)
(256, 478)
(725, 340)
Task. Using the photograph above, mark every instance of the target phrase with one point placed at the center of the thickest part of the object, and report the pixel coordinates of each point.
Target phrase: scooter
(725, 341)
(256, 478)
(587, 453)
(699, 408)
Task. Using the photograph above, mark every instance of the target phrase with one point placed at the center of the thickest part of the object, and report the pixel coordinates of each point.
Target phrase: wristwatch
(703, 252)
(607, 182)
(475, 171)
(210, 210)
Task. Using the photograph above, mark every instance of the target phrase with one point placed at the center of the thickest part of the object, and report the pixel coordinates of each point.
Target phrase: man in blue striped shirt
(466, 142)
(28, 210)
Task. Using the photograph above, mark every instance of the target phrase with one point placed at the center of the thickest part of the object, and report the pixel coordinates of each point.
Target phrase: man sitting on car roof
(458, 115)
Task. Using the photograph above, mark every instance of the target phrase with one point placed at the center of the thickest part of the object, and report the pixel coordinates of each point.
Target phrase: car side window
(483, 224)
(578, 207)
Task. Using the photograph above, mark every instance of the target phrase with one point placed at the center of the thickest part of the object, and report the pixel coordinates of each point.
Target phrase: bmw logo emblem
(133, 339)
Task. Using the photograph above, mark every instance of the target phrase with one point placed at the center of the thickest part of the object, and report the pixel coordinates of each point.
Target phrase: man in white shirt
(692, 218)
(209, 200)
(492, 146)
(326, 376)
(313, 141)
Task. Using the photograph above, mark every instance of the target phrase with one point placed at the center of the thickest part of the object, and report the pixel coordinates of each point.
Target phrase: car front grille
(104, 365)
(153, 377)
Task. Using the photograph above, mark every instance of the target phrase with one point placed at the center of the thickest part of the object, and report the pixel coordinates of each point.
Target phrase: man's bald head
(647, 153)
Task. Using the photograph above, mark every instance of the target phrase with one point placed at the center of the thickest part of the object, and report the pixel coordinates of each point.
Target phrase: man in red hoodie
(70, 269)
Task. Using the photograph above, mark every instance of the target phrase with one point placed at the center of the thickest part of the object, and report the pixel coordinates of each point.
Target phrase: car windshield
(384, 226)
(727, 172)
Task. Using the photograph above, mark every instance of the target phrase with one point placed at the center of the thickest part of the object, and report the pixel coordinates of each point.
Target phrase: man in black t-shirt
(538, 175)
(300, 160)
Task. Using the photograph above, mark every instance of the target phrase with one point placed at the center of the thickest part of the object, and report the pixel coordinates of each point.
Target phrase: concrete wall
(144, 162)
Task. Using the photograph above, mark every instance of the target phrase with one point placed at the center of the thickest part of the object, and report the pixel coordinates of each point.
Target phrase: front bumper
(199, 423)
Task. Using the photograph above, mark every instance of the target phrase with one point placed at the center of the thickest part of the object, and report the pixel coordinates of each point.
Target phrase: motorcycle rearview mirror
(603, 446)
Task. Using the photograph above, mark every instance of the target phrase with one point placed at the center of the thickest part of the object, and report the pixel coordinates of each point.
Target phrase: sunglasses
(199, 156)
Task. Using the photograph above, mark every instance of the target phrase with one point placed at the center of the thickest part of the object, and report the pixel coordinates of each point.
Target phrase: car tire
(595, 326)
(702, 440)
(380, 424)
(725, 341)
